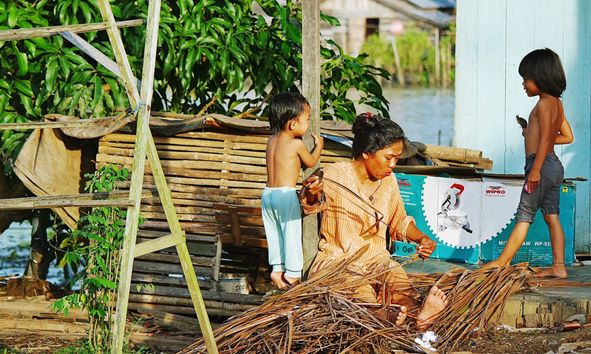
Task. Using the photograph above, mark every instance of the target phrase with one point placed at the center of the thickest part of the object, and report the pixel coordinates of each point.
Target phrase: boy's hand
(318, 141)
(533, 179)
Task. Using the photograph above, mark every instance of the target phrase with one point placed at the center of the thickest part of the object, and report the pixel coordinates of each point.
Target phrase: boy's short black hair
(285, 107)
(543, 66)
(373, 133)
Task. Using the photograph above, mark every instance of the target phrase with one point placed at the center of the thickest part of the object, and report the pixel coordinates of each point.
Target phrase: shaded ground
(532, 342)
(501, 342)
(33, 342)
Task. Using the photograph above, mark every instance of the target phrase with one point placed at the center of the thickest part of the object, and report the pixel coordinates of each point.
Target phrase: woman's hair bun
(374, 132)
(363, 123)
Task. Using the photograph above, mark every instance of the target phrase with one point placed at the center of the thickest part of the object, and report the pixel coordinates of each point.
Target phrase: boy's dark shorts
(546, 196)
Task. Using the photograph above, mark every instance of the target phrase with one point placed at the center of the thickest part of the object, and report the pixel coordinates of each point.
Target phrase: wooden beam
(137, 174)
(60, 201)
(311, 90)
(27, 33)
(53, 125)
(157, 244)
(95, 54)
(119, 51)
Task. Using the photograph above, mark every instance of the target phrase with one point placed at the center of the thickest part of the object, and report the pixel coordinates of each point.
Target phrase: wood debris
(322, 316)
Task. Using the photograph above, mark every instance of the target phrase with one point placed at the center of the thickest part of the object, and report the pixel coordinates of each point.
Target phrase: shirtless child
(289, 117)
(544, 77)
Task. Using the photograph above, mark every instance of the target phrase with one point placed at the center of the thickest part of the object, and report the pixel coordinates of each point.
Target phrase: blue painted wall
(492, 38)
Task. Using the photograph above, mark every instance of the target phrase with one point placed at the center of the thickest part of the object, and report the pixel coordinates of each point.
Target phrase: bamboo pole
(311, 90)
(94, 53)
(175, 301)
(132, 220)
(60, 201)
(53, 125)
(27, 33)
(454, 153)
(119, 50)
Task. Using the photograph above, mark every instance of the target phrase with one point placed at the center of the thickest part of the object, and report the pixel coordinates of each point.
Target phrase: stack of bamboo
(216, 179)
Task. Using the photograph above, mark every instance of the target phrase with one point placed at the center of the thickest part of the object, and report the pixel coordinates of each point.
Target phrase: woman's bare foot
(557, 271)
(277, 279)
(401, 316)
(289, 281)
(393, 314)
(434, 303)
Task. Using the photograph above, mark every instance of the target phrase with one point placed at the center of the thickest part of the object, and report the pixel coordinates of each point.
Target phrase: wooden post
(311, 89)
(445, 64)
(437, 57)
(141, 144)
(399, 73)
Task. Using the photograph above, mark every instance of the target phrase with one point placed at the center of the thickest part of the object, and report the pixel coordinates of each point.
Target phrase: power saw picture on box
(450, 216)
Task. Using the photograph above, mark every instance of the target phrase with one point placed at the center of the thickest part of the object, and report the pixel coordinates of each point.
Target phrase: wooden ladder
(144, 147)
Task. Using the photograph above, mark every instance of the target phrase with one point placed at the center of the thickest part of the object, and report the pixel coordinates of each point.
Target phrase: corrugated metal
(492, 38)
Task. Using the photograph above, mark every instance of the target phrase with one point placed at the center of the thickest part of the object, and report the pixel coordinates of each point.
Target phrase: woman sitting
(360, 201)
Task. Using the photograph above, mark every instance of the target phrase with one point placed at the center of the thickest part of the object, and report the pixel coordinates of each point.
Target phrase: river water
(425, 114)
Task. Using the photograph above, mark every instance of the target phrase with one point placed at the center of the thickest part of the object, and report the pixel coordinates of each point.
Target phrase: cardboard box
(471, 219)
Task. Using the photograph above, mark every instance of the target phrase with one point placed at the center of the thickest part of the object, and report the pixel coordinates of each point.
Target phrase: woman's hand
(426, 247)
(313, 186)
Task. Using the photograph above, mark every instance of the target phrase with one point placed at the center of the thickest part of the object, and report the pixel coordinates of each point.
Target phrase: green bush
(416, 51)
(417, 55)
(380, 52)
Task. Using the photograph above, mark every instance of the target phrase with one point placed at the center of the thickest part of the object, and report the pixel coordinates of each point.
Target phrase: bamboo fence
(216, 179)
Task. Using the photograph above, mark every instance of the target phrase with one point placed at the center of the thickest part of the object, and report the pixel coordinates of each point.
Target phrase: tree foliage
(218, 55)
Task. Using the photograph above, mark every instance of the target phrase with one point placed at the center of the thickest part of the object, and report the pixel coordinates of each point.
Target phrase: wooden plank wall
(492, 38)
(216, 180)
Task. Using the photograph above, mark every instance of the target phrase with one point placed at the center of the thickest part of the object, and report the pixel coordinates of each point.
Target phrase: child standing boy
(289, 117)
(544, 77)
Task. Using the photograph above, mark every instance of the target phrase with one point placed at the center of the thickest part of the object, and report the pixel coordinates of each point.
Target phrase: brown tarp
(54, 161)
(51, 163)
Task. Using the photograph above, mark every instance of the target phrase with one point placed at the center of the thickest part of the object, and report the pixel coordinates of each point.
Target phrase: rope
(358, 197)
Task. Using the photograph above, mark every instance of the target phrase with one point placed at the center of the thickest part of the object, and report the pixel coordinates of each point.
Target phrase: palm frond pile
(321, 315)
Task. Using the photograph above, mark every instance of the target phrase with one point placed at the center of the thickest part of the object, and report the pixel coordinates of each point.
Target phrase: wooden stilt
(311, 90)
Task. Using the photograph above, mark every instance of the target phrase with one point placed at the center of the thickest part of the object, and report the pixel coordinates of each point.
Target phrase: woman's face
(380, 164)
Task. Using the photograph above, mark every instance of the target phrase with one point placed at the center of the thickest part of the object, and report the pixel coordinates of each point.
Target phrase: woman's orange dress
(348, 224)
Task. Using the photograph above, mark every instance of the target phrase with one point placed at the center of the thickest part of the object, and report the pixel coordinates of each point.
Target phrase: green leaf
(24, 87)
(86, 11)
(331, 20)
(64, 65)
(3, 103)
(27, 103)
(13, 15)
(51, 74)
(31, 47)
